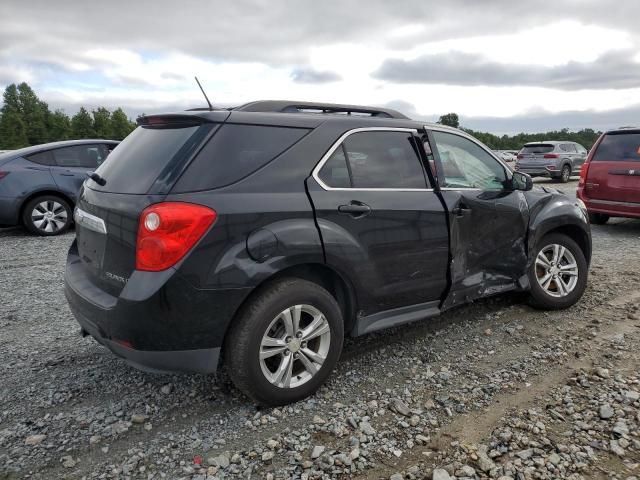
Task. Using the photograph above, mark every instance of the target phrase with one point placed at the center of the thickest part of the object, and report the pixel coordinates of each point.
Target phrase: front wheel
(558, 273)
(285, 342)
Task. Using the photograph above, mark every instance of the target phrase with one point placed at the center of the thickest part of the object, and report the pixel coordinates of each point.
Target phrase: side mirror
(521, 181)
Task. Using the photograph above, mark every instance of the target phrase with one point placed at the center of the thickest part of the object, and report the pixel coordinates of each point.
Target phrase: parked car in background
(553, 159)
(508, 156)
(264, 235)
(39, 184)
(610, 179)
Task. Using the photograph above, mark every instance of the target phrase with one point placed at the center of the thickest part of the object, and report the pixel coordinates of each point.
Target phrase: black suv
(260, 236)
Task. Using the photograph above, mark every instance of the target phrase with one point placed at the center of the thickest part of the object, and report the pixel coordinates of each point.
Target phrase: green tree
(102, 123)
(450, 119)
(82, 125)
(13, 132)
(121, 126)
(59, 126)
(10, 100)
(34, 113)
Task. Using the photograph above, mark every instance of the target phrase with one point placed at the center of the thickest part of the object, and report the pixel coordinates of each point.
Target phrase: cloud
(613, 70)
(546, 121)
(309, 75)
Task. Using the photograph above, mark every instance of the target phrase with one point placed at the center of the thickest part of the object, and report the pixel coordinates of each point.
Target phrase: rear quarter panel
(24, 179)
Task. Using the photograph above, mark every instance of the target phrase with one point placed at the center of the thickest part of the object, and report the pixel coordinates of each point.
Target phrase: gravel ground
(491, 390)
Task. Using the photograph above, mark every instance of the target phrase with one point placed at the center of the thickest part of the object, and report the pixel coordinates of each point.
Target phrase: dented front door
(487, 220)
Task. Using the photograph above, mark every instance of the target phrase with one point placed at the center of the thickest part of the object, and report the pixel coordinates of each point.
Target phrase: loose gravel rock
(491, 390)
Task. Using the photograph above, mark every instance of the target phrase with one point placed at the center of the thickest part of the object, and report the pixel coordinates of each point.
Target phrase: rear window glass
(142, 157)
(538, 148)
(619, 148)
(234, 152)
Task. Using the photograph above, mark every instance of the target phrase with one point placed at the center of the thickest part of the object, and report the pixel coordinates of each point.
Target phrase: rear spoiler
(180, 120)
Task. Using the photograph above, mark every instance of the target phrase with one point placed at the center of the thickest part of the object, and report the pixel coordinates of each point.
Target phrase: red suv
(610, 180)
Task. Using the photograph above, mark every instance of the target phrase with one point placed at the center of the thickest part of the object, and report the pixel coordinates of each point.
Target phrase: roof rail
(287, 106)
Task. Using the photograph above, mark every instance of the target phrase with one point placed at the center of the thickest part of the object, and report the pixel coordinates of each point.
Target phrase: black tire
(60, 222)
(565, 174)
(538, 297)
(243, 342)
(598, 218)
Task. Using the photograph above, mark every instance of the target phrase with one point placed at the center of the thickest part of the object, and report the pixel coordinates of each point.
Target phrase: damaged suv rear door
(488, 221)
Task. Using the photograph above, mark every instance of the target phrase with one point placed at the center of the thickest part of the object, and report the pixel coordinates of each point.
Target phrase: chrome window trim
(91, 222)
(338, 143)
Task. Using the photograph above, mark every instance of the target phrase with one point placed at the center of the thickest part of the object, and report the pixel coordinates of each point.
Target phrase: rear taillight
(167, 231)
(584, 171)
(551, 155)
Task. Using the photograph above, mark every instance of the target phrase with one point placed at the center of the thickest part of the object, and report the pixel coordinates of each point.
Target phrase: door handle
(461, 210)
(355, 209)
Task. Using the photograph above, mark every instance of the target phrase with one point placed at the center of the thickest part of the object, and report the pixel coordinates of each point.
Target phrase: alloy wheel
(556, 270)
(295, 346)
(49, 216)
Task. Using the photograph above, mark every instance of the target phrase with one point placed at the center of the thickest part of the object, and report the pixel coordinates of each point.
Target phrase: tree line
(585, 137)
(26, 120)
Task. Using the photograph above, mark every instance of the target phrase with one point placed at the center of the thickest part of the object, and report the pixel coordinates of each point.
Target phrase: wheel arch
(577, 234)
(321, 274)
(43, 193)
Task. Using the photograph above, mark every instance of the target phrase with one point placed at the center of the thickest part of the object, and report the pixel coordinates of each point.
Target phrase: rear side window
(335, 173)
(41, 158)
(623, 147)
(86, 156)
(376, 160)
(234, 152)
(538, 148)
(144, 155)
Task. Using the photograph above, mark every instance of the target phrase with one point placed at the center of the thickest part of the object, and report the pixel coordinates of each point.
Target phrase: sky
(503, 66)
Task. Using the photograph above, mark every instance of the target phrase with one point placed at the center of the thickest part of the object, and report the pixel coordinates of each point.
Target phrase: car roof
(623, 130)
(52, 145)
(301, 119)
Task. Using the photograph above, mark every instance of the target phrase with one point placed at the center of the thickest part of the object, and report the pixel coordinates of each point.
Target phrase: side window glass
(85, 156)
(384, 160)
(465, 164)
(41, 158)
(335, 172)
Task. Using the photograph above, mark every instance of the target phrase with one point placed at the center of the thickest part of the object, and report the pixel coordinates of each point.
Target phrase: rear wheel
(285, 342)
(598, 218)
(47, 215)
(558, 274)
(565, 174)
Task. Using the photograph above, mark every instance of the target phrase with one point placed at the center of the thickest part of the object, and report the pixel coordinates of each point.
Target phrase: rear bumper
(609, 207)
(204, 360)
(170, 327)
(537, 171)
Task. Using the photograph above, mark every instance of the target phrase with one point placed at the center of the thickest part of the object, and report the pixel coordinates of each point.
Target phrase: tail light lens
(167, 231)
(584, 171)
(550, 155)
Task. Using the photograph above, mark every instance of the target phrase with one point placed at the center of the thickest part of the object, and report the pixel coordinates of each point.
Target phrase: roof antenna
(205, 95)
